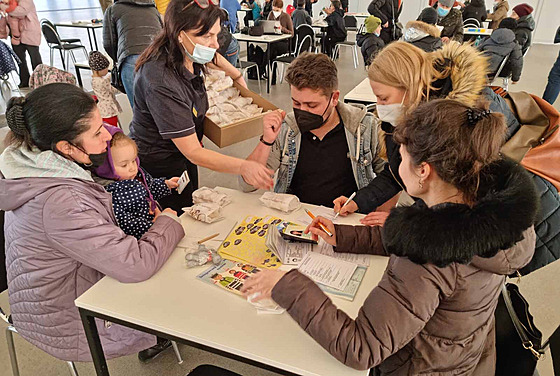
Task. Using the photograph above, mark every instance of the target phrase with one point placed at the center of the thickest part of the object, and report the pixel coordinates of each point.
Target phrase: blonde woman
(402, 76)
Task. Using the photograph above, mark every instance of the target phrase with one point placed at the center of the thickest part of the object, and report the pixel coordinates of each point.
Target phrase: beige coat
(499, 14)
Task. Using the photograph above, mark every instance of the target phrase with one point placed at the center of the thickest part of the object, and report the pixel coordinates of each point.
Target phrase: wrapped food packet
(205, 194)
(281, 201)
(205, 212)
(202, 255)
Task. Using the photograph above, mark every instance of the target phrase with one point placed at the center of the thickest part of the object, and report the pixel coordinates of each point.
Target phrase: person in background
(423, 32)
(107, 103)
(254, 14)
(369, 42)
(300, 15)
(229, 46)
(344, 4)
(282, 47)
(128, 29)
(553, 85)
(56, 136)
(105, 4)
(501, 45)
(336, 30)
(325, 146)
(30, 37)
(455, 4)
(432, 313)
(308, 6)
(267, 8)
(523, 13)
(232, 7)
(501, 9)
(161, 6)
(475, 9)
(388, 11)
(452, 21)
(170, 101)
(133, 190)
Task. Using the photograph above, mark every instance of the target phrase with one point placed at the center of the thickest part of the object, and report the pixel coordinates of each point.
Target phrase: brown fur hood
(423, 27)
(462, 73)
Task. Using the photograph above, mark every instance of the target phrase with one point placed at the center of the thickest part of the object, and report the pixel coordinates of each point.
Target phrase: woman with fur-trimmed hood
(423, 32)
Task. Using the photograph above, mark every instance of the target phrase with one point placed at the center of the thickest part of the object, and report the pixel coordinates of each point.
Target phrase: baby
(101, 84)
(134, 190)
(14, 23)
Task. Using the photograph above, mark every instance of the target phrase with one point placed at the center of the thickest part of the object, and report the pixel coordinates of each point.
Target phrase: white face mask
(390, 113)
(276, 14)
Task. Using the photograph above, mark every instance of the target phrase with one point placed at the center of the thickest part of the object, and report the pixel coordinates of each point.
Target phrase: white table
(268, 40)
(362, 94)
(358, 15)
(175, 305)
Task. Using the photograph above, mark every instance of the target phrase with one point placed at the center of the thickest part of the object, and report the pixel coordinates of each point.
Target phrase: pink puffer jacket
(29, 24)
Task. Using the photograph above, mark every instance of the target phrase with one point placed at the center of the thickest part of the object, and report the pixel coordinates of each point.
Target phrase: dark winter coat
(131, 201)
(452, 25)
(423, 36)
(336, 28)
(476, 9)
(500, 12)
(384, 10)
(500, 45)
(432, 312)
(266, 10)
(370, 45)
(524, 32)
(129, 27)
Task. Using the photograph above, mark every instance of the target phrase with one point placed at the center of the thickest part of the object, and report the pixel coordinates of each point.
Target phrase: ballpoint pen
(346, 203)
(320, 224)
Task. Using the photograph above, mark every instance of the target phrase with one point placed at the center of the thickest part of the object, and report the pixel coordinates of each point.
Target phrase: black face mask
(97, 160)
(308, 121)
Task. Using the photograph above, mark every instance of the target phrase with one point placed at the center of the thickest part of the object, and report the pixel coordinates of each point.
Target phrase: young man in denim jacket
(323, 148)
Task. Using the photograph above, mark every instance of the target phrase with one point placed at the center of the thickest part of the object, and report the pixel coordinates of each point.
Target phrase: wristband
(266, 143)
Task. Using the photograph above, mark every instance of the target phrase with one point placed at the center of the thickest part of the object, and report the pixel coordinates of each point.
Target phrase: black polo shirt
(167, 104)
(324, 170)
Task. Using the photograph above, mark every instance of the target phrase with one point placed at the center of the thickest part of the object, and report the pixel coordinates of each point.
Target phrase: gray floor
(35, 362)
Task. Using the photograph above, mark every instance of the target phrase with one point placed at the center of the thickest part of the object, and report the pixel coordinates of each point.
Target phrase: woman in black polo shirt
(170, 100)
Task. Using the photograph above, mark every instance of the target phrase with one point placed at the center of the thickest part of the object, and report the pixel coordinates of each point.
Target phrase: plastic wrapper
(207, 212)
(280, 201)
(206, 194)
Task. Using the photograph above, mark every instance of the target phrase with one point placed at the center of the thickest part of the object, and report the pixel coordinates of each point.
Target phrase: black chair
(67, 40)
(305, 37)
(471, 22)
(55, 43)
(351, 23)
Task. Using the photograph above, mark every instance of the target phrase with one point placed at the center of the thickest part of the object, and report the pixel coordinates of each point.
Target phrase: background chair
(305, 37)
(350, 44)
(66, 40)
(244, 66)
(471, 22)
(55, 43)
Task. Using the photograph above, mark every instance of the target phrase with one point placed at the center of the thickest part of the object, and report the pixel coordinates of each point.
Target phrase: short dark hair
(278, 4)
(336, 4)
(180, 15)
(508, 23)
(49, 114)
(313, 71)
(300, 3)
(440, 133)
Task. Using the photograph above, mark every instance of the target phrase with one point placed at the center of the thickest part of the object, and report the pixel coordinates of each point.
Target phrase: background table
(175, 305)
(362, 94)
(268, 40)
(477, 31)
(84, 25)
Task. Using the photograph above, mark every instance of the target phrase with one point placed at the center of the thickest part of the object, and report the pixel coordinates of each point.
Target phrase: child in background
(423, 32)
(9, 21)
(134, 190)
(370, 42)
(101, 84)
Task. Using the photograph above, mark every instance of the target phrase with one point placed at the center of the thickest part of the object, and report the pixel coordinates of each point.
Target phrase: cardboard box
(241, 130)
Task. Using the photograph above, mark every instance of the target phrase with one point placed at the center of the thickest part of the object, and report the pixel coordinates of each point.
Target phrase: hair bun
(14, 116)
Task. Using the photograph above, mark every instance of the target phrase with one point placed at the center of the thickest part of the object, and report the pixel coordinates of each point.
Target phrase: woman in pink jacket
(61, 234)
(30, 36)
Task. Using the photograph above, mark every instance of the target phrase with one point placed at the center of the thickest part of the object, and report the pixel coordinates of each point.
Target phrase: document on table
(327, 270)
(322, 211)
(326, 249)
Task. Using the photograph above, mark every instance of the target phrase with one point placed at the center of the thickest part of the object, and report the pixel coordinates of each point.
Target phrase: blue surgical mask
(376, 34)
(442, 12)
(201, 54)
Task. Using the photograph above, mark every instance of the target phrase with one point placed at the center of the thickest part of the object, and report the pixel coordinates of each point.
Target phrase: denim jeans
(553, 86)
(232, 53)
(127, 76)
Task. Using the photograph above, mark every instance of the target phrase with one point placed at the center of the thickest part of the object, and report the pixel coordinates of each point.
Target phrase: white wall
(546, 14)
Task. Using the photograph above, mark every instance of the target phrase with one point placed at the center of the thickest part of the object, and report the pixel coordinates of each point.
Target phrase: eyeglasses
(202, 4)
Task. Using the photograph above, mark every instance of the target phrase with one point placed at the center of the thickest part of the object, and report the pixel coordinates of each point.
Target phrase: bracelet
(266, 143)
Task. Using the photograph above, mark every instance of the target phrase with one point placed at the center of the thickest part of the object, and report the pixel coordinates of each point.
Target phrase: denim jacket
(361, 134)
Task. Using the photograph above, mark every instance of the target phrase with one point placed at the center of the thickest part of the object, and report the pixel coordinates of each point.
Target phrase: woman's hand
(350, 208)
(172, 183)
(317, 231)
(445, 40)
(272, 122)
(374, 219)
(257, 175)
(262, 282)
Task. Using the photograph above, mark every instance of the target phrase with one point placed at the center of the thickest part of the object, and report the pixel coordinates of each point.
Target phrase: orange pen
(320, 224)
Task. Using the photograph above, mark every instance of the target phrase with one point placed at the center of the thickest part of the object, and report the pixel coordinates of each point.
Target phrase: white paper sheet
(327, 249)
(327, 270)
